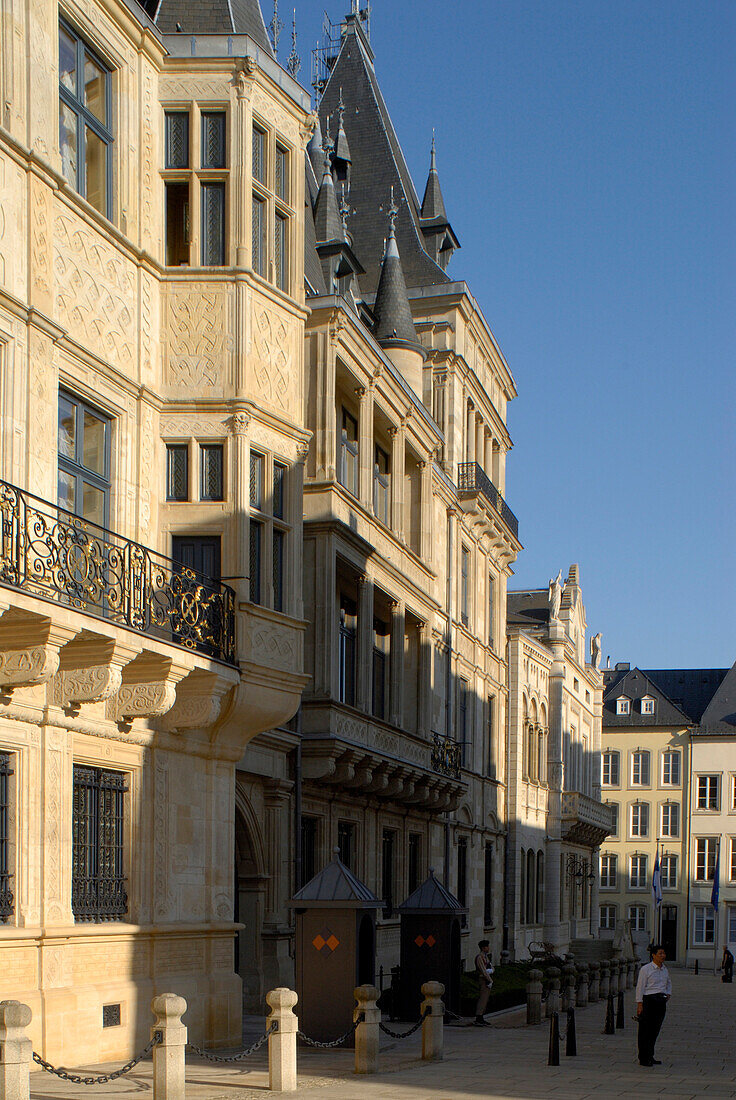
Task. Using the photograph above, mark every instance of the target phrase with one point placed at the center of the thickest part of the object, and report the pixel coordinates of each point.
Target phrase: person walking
(484, 971)
(653, 991)
(727, 966)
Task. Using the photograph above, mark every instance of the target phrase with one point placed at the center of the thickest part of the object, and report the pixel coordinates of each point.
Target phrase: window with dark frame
(177, 472)
(177, 139)
(309, 849)
(464, 574)
(281, 178)
(346, 843)
(278, 546)
(259, 235)
(6, 894)
(414, 861)
(708, 792)
(610, 769)
(347, 651)
(279, 488)
(348, 474)
(255, 560)
(84, 459)
(85, 120)
(211, 487)
(488, 885)
(281, 251)
(258, 166)
(178, 228)
(705, 858)
(213, 224)
(388, 871)
(213, 139)
(462, 876)
(98, 873)
(671, 769)
(381, 644)
(381, 485)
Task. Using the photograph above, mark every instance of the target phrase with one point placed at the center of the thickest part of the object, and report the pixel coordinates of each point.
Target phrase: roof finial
(275, 27)
(392, 212)
(340, 107)
(432, 162)
(293, 64)
(327, 146)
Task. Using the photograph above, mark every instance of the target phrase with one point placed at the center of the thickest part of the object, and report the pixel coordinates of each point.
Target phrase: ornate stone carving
(142, 700)
(26, 667)
(274, 645)
(272, 342)
(199, 343)
(199, 427)
(239, 422)
(87, 685)
(193, 712)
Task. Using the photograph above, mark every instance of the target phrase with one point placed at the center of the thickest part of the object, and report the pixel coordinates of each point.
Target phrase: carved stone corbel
(148, 689)
(90, 670)
(29, 650)
(198, 701)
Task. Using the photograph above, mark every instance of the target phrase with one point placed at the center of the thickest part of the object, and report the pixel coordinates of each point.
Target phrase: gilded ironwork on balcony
(49, 552)
(472, 478)
(446, 755)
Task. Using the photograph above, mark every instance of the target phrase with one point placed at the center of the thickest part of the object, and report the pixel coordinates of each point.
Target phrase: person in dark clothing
(727, 966)
(484, 973)
(653, 991)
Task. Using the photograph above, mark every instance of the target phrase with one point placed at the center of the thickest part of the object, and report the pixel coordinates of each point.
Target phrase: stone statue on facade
(555, 596)
(595, 651)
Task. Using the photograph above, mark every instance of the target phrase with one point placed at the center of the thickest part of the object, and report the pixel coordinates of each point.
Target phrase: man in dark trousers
(727, 966)
(653, 991)
(484, 972)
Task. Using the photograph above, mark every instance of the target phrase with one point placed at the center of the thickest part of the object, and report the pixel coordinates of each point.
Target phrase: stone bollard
(605, 982)
(15, 1051)
(630, 974)
(553, 997)
(433, 1035)
(594, 983)
(568, 986)
(168, 1055)
(282, 1042)
(534, 997)
(613, 987)
(367, 1034)
(582, 989)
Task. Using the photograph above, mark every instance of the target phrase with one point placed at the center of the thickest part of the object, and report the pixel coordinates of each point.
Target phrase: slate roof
(719, 717)
(377, 164)
(431, 897)
(691, 689)
(635, 684)
(394, 322)
(212, 17)
(327, 222)
(528, 607)
(335, 887)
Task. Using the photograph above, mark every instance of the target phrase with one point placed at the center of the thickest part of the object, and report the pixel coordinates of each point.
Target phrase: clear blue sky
(587, 159)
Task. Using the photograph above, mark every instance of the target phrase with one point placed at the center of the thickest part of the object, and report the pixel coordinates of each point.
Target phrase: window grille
(213, 139)
(211, 487)
(6, 896)
(177, 139)
(98, 880)
(177, 472)
(256, 551)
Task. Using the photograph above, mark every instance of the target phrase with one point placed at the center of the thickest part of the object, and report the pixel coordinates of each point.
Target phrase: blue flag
(716, 877)
(657, 882)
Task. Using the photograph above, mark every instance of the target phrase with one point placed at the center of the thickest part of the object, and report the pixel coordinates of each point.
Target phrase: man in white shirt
(653, 991)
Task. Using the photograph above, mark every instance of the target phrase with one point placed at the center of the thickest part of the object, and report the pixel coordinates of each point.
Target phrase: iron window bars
(98, 879)
(6, 896)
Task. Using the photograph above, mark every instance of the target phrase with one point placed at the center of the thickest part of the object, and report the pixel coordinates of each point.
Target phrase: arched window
(540, 887)
(531, 891)
(531, 752)
(541, 756)
(522, 886)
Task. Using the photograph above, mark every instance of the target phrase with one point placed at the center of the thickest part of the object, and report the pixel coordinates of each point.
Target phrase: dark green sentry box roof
(431, 897)
(335, 887)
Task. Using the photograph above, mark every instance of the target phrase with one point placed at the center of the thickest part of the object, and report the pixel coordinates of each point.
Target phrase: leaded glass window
(280, 252)
(213, 139)
(256, 480)
(177, 139)
(211, 473)
(177, 472)
(259, 154)
(213, 224)
(98, 874)
(279, 541)
(85, 125)
(259, 229)
(256, 555)
(282, 174)
(279, 476)
(6, 895)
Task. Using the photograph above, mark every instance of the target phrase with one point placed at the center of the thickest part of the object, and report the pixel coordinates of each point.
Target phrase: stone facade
(134, 385)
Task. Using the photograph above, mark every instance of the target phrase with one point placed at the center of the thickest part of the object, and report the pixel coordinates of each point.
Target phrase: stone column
(398, 629)
(495, 475)
(365, 446)
(241, 169)
(365, 645)
(397, 481)
(168, 1055)
(433, 1024)
(367, 1035)
(282, 1042)
(15, 1050)
(470, 433)
(424, 691)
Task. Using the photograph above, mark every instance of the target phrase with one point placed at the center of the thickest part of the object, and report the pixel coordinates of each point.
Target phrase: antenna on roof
(293, 64)
(275, 26)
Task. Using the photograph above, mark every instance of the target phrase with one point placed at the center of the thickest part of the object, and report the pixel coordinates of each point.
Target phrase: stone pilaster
(398, 629)
(365, 645)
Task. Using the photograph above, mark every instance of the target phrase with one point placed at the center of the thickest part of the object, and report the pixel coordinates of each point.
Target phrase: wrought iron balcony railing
(446, 755)
(52, 553)
(472, 478)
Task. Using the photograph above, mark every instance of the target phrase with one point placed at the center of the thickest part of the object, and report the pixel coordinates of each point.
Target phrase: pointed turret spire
(314, 149)
(327, 221)
(433, 205)
(341, 161)
(294, 63)
(394, 323)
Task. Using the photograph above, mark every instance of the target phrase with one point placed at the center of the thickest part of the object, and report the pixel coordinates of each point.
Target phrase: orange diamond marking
(319, 941)
(332, 942)
(430, 941)
(419, 941)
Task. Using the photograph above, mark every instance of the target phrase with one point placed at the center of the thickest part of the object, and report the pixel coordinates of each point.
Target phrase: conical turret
(440, 241)
(433, 205)
(394, 323)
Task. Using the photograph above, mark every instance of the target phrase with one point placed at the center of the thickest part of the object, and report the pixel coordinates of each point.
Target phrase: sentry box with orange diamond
(431, 922)
(335, 948)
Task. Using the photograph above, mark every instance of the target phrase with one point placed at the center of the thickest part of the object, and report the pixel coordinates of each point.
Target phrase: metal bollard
(554, 1040)
(620, 1011)
(366, 1034)
(534, 997)
(553, 997)
(169, 1069)
(610, 1025)
(433, 1035)
(282, 1042)
(571, 1045)
(696, 967)
(15, 1051)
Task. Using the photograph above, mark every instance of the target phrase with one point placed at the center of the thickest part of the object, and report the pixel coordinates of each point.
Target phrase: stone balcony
(472, 480)
(342, 747)
(584, 820)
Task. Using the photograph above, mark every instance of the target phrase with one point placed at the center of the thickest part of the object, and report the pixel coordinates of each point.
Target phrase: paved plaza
(505, 1061)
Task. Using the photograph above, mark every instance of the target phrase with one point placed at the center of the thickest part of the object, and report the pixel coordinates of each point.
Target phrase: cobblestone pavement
(505, 1062)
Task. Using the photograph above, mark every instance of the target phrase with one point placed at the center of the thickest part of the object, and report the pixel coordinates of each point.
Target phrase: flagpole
(714, 899)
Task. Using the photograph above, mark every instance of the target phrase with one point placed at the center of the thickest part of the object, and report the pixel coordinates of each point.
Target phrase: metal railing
(52, 553)
(446, 755)
(472, 478)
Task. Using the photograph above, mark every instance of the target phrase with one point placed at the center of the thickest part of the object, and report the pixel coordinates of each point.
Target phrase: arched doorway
(250, 889)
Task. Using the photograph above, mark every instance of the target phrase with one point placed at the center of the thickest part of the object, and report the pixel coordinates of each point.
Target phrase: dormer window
(647, 705)
(623, 705)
